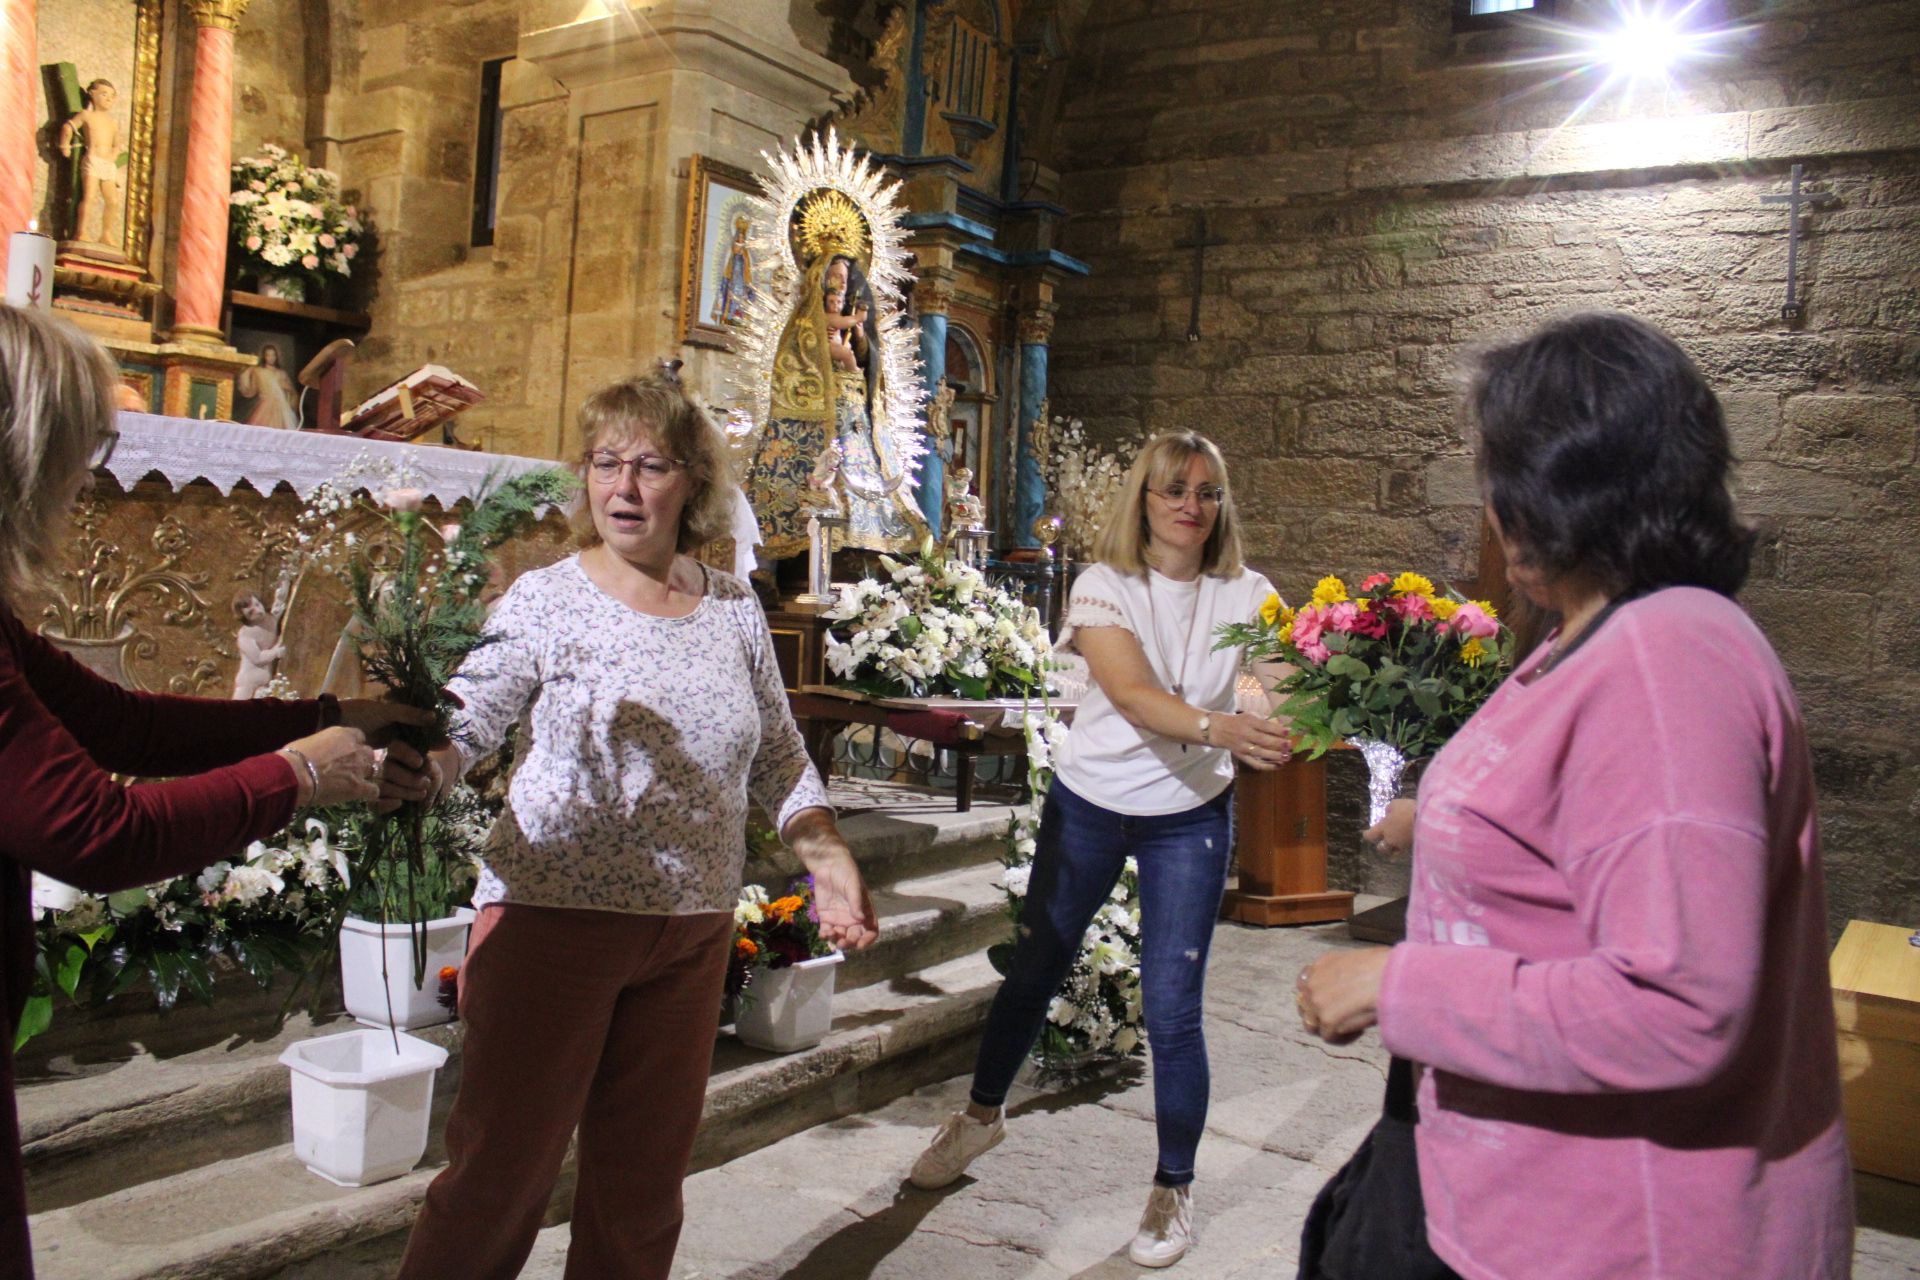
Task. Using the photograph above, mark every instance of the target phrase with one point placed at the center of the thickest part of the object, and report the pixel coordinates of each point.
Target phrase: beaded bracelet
(313, 774)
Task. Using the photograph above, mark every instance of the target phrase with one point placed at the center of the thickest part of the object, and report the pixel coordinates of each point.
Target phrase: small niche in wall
(1480, 15)
(486, 152)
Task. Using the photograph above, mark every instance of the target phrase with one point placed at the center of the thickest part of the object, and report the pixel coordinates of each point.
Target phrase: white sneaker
(1166, 1228)
(959, 1142)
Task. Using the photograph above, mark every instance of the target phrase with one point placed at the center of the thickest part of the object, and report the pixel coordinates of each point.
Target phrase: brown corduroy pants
(600, 1019)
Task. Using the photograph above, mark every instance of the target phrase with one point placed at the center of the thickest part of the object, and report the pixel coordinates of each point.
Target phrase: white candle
(30, 269)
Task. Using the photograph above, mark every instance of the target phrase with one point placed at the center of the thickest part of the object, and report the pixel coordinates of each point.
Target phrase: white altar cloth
(225, 453)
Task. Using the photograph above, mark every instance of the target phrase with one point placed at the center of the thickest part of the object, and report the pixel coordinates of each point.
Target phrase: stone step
(262, 1213)
(80, 1131)
(895, 833)
(916, 834)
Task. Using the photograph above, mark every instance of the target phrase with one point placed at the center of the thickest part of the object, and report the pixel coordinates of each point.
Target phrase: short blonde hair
(56, 409)
(656, 405)
(1163, 460)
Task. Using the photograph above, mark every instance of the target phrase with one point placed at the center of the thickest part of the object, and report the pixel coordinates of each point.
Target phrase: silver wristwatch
(1206, 727)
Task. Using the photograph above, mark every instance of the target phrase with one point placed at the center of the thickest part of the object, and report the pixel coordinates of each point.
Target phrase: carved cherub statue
(823, 486)
(964, 508)
(259, 644)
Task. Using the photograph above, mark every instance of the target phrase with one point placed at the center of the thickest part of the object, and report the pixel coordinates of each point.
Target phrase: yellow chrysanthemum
(1412, 584)
(1472, 652)
(1486, 607)
(1444, 608)
(1283, 624)
(1329, 590)
(1270, 608)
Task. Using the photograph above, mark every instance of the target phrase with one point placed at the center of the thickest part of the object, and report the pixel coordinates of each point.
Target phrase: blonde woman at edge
(1146, 773)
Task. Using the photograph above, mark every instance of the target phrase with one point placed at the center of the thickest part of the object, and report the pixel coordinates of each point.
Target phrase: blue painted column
(933, 465)
(1029, 487)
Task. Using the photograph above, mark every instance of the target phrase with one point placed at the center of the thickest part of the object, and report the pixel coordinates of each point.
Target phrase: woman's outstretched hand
(1393, 834)
(1338, 995)
(840, 898)
(1255, 741)
(334, 766)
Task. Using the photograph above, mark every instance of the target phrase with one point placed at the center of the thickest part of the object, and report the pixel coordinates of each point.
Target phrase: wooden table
(984, 727)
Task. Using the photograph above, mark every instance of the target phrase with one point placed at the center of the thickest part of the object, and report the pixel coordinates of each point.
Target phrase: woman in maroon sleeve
(239, 769)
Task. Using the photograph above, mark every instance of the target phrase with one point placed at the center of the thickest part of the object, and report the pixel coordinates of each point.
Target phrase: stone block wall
(1389, 198)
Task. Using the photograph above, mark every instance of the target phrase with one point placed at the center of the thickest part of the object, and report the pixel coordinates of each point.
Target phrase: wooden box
(1281, 846)
(1876, 1001)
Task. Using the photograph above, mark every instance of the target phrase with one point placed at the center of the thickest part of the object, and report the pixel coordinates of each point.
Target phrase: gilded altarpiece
(146, 593)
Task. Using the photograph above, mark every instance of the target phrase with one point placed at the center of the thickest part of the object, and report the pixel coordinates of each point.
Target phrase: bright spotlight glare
(1646, 45)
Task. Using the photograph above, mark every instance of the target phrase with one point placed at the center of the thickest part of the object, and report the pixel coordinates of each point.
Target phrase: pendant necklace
(1186, 644)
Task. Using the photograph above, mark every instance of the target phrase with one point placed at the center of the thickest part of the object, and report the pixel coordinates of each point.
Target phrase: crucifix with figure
(1199, 243)
(1792, 312)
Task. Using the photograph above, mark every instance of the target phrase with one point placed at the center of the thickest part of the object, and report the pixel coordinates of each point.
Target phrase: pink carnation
(270, 223)
(403, 499)
(1341, 617)
(256, 185)
(1308, 626)
(326, 240)
(310, 262)
(350, 249)
(1412, 608)
(254, 243)
(1471, 620)
(1376, 581)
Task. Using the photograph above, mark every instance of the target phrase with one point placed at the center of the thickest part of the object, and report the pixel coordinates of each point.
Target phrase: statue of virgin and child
(821, 448)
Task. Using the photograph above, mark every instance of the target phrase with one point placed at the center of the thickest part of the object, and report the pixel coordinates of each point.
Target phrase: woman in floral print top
(591, 990)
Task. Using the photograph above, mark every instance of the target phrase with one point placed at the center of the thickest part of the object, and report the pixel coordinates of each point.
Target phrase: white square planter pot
(361, 944)
(788, 1009)
(360, 1110)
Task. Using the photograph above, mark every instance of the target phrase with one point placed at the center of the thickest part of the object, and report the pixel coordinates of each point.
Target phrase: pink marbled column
(201, 267)
(19, 74)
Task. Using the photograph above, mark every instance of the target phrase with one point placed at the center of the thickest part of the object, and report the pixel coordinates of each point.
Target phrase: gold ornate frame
(140, 143)
(144, 101)
(702, 175)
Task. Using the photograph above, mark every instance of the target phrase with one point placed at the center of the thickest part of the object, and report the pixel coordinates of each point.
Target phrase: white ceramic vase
(787, 1009)
(361, 1106)
(367, 992)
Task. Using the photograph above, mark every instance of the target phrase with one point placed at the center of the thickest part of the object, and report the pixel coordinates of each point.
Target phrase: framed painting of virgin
(717, 275)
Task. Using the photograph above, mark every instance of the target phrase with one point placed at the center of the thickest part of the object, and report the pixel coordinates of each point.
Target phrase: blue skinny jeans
(1078, 856)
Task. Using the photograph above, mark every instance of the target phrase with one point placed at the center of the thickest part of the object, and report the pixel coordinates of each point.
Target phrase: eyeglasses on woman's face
(1177, 493)
(650, 470)
(103, 451)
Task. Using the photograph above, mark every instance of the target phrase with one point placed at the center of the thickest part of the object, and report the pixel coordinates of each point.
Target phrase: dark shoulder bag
(1369, 1222)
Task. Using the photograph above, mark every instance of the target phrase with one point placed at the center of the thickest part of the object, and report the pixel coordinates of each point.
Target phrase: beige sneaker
(1166, 1228)
(959, 1142)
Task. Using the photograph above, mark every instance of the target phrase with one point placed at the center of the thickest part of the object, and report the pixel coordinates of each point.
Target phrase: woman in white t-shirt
(1147, 772)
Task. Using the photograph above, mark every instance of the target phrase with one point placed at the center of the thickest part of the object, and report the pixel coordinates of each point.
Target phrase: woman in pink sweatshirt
(1615, 970)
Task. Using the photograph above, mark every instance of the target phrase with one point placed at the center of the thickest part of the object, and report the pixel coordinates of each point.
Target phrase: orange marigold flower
(785, 907)
(745, 948)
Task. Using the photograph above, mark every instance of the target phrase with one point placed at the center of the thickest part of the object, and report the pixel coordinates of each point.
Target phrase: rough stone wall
(1386, 203)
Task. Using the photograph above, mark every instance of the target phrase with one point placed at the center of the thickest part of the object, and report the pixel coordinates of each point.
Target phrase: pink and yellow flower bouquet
(1391, 661)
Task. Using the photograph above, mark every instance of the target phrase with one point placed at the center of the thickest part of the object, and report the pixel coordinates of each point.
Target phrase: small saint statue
(93, 128)
(259, 645)
(964, 508)
(823, 485)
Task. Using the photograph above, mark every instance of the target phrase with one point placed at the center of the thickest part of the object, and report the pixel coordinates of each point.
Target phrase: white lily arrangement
(288, 221)
(935, 627)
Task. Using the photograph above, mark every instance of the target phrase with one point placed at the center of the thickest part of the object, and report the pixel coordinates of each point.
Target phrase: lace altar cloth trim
(225, 453)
